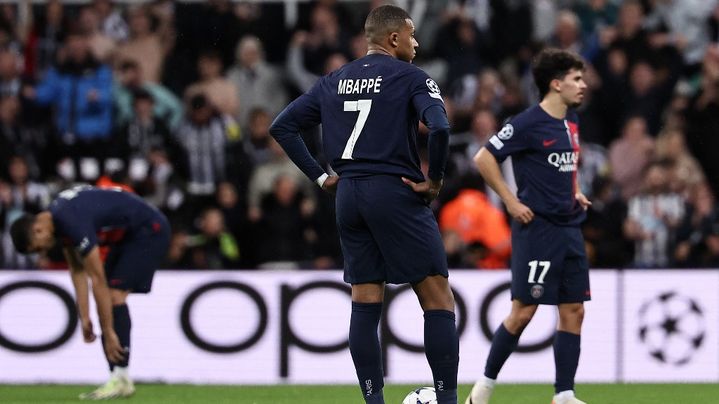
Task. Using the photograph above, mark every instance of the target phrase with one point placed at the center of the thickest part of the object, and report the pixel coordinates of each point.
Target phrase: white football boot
(566, 397)
(481, 392)
(116, 387)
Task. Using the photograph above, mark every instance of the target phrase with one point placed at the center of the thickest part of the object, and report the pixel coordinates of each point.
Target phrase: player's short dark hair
(551, 64)
(384, 20)
(21, 232)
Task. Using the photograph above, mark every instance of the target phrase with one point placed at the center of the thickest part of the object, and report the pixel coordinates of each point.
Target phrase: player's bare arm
(583, 200)
(580, 197)
(79, 281)
(489, 169)
(100, 291)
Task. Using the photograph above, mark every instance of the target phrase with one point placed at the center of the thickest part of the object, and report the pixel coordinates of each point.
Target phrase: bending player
(83, 219)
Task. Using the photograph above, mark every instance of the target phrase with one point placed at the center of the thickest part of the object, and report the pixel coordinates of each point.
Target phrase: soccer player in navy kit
(369, 110)
(549, 264)
(84, 219)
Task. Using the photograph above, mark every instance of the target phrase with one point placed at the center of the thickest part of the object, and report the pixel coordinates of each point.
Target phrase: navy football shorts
(549, 263)
(131, 264)
(387, 232)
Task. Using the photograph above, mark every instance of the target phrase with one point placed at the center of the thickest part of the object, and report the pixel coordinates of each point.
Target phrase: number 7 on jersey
(363, 106)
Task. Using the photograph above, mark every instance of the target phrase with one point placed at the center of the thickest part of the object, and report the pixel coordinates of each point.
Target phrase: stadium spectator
(461, 45)
(213, 247)
(219, 91)
(19, 139)
(45, 39)
(166, 105)
(20, 194)
(325, 37)
(101, 45)
(10, 70)
(264, 177)
(567, 33)
(629, 155)
(593, 163)
(603, 230)
(473, 217)
(258, 84)
(694, 234)
(205, 136)
(702, 118)
(257, 138)
(685, 173)
(680, 24)
(232, 207)
(652, 219)
(299, 76)
(284, 231)
(145, 46)
(143, 135)
(595, 15)
(80, 91)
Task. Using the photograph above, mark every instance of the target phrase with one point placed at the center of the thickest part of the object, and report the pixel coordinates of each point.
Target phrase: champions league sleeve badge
(506, 132)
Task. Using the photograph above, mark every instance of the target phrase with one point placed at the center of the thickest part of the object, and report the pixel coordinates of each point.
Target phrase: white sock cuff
(120, 371)
(488, 382)
(565, 394)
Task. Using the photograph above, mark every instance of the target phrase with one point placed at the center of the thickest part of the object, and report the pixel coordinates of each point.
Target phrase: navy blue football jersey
(545, 158)
(370, 110)
(86, 216)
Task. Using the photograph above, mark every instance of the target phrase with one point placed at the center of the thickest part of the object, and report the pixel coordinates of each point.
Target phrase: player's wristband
(321, 179)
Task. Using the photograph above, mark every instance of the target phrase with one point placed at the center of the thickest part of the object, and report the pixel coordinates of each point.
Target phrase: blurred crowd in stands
(174, 100)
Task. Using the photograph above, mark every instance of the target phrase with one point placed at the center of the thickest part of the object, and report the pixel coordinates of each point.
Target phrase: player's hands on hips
(428, 189)
(87, 333)
(330, 184)
(520, 212)
(113, 350)
(582, 199)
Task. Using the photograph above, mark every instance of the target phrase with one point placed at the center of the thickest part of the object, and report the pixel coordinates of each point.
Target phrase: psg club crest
(537, 291)
(506, 132)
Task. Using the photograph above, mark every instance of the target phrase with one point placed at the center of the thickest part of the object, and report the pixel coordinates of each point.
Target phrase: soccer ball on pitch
(422, 395)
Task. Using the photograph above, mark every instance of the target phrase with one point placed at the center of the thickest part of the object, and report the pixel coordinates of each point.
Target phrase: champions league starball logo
(506, 132)
(672, 328)
(432, 86)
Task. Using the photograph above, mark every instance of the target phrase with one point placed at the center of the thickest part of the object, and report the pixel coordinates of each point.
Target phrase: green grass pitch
(291, 394)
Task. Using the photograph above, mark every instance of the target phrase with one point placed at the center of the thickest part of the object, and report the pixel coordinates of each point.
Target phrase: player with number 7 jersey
(370, 110)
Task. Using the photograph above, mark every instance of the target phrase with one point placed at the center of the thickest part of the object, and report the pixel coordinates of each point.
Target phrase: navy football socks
(441, 344)
(503, 344)
(122, 325)
(366, 351)
(566, 359)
